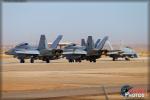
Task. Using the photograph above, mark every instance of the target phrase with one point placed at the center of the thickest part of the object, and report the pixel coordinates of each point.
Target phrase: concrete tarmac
(54, 80)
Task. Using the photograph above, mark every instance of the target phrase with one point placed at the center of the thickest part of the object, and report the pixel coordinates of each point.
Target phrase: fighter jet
(74, 52)
(89, 51)
(42, 52)
(126, 53)
(95, 50)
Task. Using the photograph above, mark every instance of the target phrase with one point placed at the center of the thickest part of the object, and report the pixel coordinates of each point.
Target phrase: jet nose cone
(9, 52)
(6, 52)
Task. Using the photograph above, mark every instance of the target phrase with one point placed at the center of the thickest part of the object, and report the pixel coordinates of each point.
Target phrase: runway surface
(60, 80)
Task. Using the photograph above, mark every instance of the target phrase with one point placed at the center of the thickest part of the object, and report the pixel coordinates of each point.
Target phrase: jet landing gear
(77, 60)
(127, 59)
(114, 58)
(32, 60)
(47, 60)
(93, 60)
(72, 60)
(22, 61)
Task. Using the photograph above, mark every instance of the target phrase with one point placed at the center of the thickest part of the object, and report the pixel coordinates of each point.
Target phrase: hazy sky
(24, 22)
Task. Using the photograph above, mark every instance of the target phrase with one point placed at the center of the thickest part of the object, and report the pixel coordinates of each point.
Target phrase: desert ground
(60, 80)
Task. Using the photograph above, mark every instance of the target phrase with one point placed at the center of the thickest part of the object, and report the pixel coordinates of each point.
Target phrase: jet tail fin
(56, 42)
(97, 42)
(83, 42)
(90, 43)
(102, 43)
(42, 43)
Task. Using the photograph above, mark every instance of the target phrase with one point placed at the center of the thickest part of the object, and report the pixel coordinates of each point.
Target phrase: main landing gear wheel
(32, 60)
(127, 59)
(47, 60)
(71, 60)
(94, 60)
(77, 60)
(22, 61)
(114, 59)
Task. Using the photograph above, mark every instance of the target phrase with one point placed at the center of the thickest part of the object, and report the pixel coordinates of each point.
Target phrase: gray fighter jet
(74, 52)
(42, 52)
(126, 53)
(87, 51)
(95, 50)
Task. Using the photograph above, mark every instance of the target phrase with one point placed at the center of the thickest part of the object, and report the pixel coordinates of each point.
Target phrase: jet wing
(75, 52)
(129, 54)
(31, 52)
(113, 52)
